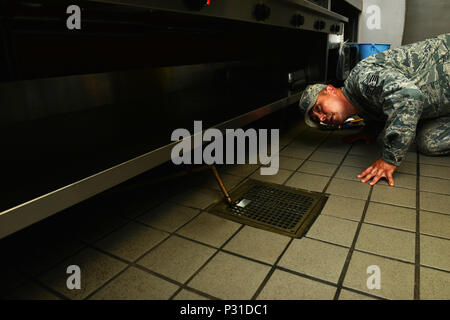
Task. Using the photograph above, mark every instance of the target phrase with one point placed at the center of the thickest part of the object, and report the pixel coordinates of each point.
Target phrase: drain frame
(221, 208)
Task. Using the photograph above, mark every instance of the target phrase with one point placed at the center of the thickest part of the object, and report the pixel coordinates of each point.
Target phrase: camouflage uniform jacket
(400, 87)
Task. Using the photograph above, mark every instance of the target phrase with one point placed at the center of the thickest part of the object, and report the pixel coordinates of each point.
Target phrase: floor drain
(285, 210)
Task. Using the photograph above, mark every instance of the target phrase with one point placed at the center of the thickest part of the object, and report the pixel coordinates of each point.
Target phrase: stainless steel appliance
(85, 110)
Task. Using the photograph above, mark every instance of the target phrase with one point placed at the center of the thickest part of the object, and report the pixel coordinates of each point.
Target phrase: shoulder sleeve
(402, 103)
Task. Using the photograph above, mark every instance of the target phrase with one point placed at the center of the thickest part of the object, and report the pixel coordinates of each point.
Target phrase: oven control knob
(297, 20)
(196, 4)
(322, 25)
(335, 28)
(317, 25)
(261, 12)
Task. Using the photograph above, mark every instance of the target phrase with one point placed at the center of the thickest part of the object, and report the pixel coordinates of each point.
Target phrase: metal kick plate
(284, 210)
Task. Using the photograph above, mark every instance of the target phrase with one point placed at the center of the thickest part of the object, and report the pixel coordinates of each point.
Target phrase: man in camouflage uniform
(406, 88)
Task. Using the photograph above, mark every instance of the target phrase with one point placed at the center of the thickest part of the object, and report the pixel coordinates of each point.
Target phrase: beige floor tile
(31, 291)
(435, 185)
(135, 284)
(304, 143)
(435, 252)
(319, 168)
(346, 188)
(188, 295)
(241, 170)
(401, 180)
(141, 204)
(96, 269)
(435, 171)
(334, 145)
(284, 141)
(307, 256)
(230, 181)
(258, 244)
(333, 230)
(435, 202)
(371, 151)
(345, 208)
(350, 295)
(177, 258)
(209, 229)
(230, 277)
(407, 167)
(349, 173)
(97, 228)
(328, 157)
(308, 182)
(434, 284)
(438, 161)
(435, 224)
(358, 161)
(278, 178)
(296, 152)
(286, 286)
(197, 198)
(391, 216)
(396, 278)
(395, 196)
(131, 241)
(411, 157)
(290, 163)
(169, 216)
(386, 242)
(43, 254)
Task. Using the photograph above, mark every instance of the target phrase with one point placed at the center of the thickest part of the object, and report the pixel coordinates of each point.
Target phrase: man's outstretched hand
(379, 169)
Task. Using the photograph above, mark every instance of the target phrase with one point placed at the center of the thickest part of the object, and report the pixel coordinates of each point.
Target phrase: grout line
(110, 280)
(364, 293)
(337, 169)
(271, 271)
(185, 284)
(384, 257)
(442, 194)
(435, 268)
(48, 288)
(417, 242)
(389, 227)
(327, 242)
(352, 248)
(327, 282)
(306, 159)
(435, 236)
(200, 293)
(245, 257)
(306, 276)
(133, 263)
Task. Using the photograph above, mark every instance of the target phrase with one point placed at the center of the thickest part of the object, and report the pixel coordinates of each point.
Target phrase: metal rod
(221, 185)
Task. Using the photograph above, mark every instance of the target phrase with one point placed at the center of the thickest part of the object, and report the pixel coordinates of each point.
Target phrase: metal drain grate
(272, 207)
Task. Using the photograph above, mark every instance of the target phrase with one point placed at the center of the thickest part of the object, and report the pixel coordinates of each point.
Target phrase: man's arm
(402, 103)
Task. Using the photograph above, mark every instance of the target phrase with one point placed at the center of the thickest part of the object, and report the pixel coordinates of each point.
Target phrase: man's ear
(330, 89)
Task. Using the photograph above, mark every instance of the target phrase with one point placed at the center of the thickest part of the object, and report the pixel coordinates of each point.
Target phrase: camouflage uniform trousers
(433, 136)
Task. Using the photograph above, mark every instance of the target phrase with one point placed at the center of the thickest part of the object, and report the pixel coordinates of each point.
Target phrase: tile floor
(163, 244)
